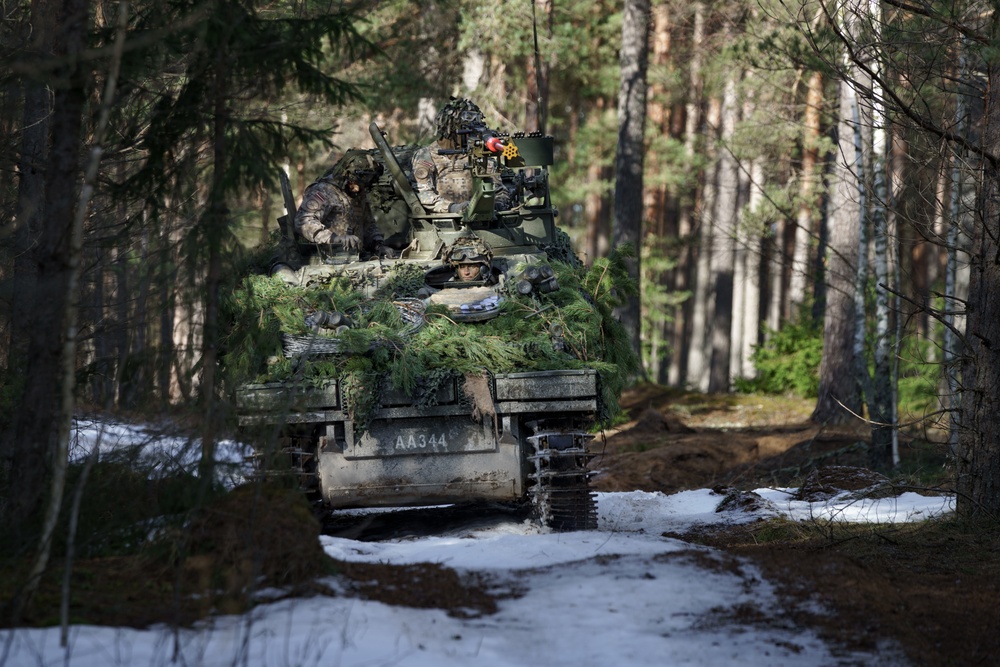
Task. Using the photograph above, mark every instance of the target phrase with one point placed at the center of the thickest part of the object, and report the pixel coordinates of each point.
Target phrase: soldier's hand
(349, 241)
(384, 251)
(459, 207)
(323, 237)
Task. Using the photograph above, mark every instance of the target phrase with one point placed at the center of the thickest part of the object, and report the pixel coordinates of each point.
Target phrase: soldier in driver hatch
(471, 258)
(444, 182)
(335, 209)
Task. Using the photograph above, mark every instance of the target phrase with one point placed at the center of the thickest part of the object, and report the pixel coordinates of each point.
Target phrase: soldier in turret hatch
(444, 181)
(335, 210)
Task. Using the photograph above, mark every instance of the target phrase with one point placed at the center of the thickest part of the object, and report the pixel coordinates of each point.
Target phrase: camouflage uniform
(327, 215)
(444, 182)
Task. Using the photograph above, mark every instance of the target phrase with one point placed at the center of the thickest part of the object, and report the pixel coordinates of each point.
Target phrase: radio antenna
(539, 109)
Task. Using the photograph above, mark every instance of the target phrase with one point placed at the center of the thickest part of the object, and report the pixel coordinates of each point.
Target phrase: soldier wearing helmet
(471, 258)
(335, 209)
(444, 182)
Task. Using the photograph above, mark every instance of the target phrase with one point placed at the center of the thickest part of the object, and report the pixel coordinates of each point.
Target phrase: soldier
(335, 209)
(472, 259)
(444, 182)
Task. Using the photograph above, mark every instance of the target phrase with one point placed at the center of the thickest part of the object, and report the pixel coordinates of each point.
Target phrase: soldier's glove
(383, 251)
(323, 237)
(348, 241)
(458, 207)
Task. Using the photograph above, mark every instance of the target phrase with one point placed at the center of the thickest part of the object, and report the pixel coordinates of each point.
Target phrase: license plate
(423, 436)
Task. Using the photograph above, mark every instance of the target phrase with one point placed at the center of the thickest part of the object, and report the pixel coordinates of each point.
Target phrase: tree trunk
(167, 277)
(121, 330)
(880, 403)
(838, 387)
(48, 395)
(724, 244)
(752, 284)
(746, 279)
(703, 300)
(807, 198)
(952, 305)
(215, 225)
(631, 150)
(43, 287)
(740, 271)
(679, 367)
(978, 482)
(595, 211)
(659, 228)
(102, 390)
(28, 459)
(776, 275)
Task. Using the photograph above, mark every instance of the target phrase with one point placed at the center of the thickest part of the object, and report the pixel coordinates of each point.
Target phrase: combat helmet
(357, 167)
(469, 250)
(458, 114)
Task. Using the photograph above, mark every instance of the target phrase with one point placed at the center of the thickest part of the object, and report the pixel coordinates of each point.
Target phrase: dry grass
(932, 587)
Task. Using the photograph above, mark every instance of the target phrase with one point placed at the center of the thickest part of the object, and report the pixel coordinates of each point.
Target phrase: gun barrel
(402, 184)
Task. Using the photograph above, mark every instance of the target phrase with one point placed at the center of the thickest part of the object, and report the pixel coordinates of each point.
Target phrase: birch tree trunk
(776, 275)
(952, 304)
(746, 279)
(881, 400)
(861, 267)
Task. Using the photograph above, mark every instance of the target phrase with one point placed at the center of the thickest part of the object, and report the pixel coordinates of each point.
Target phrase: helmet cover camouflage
(359, 168)
(469, 250)
(457, 114)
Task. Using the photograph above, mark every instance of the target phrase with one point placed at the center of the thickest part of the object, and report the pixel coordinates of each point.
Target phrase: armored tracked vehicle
(482, 390)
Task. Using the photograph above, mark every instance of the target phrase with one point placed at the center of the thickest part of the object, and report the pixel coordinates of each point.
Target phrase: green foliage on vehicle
(570, 328)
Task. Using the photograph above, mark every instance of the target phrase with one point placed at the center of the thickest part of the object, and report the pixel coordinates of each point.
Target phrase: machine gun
(521, 161)
(481, 145)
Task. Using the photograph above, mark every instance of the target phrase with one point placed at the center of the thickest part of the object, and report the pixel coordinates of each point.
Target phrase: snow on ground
(161, 454)
(623, 594)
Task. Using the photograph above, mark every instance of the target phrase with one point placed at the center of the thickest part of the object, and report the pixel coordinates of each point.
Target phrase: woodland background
(811, 186)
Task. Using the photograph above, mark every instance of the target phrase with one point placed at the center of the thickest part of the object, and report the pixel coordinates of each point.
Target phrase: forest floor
(932, 586)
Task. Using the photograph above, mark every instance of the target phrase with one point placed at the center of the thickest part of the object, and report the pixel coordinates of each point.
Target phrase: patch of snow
(620, 595)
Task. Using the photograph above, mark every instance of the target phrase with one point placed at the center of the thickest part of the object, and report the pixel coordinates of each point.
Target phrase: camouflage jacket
(444, 180)
(326, 206)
